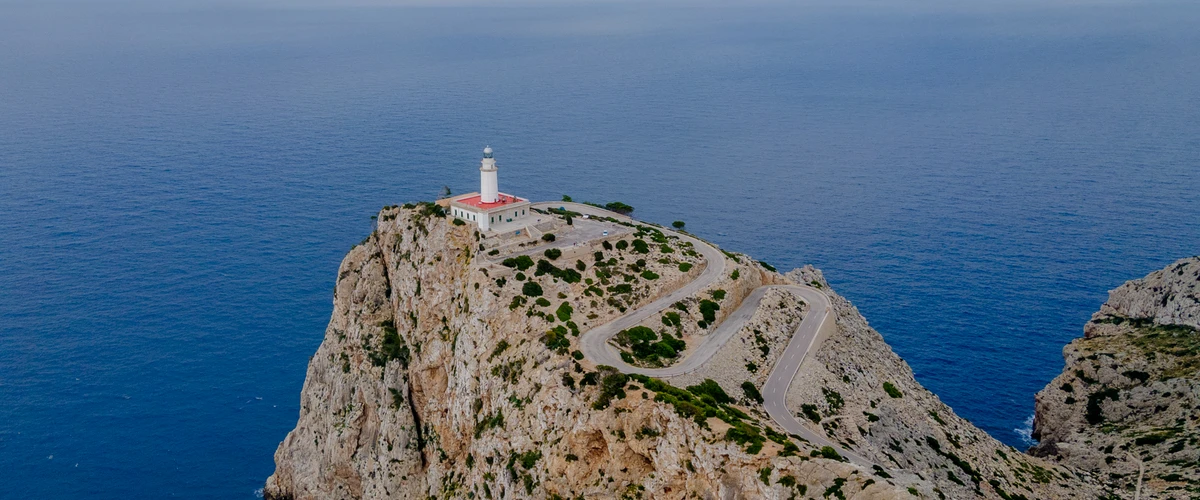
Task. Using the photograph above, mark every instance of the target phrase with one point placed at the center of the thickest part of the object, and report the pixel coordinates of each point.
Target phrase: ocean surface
(179, 182)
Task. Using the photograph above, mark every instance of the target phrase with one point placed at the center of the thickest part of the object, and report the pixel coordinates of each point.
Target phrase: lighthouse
(489, 186)
(490, 209)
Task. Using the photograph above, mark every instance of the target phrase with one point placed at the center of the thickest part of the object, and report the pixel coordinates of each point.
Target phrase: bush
(671, 318)
(494, 251)
(644, 344)
(545, 267)
(580, 266)
(458, 222)
(520, 277)
(710, 388)
(567, 199)
(552, 253)
(541, 301)
(811, 412)
(752, 392)
(718, 294)
(766, 266)
(619, 207)
(830, 453)
(678, 224)
(392, 348)
(606, 245)
(548, 237)
(612, 384)
(640, 246)
(649, 275)
(564, 311)
(556, 339)
(622, 244)
(521, 263)
(734, 275)
(685, 267)
(709, 309)
(531, 289)
(891, 390)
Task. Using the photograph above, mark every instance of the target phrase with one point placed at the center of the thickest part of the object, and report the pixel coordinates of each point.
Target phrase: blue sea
(179, 181)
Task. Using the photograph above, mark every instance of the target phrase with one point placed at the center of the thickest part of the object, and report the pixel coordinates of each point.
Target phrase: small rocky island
(568, 351)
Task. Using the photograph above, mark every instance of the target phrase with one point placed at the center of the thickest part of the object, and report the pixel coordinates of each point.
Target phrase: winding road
(813, 329)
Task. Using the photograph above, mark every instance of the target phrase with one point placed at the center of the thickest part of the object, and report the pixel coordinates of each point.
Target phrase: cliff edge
(1127, 405)
(451, 369)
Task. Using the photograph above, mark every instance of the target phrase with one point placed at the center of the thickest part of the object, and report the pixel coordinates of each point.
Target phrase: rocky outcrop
(449, 369)
(1128, 402)
(434, 380)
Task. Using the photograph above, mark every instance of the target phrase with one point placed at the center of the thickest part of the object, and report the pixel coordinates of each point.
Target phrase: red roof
(501, 200)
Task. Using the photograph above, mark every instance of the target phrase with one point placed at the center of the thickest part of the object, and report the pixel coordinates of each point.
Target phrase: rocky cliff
(1127, 405)
(450, 369)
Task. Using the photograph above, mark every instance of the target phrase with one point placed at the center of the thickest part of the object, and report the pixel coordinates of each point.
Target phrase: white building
(489, 207)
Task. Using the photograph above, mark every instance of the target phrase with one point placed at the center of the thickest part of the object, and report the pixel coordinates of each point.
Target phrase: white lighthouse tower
(489, 187)
(490, 209)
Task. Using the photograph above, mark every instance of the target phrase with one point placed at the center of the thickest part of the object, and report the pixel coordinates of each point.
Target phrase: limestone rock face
(1128, 401)
(434, 381)
(864, 396)
(444, 373)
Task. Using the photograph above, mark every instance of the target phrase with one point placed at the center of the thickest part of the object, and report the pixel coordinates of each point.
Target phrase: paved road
(595, 346)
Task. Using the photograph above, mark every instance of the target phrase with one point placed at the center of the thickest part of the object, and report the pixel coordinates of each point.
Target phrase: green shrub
(517, 301)
(622, 244)
(531, 289)
(718, 294)
(711, 388)
(830, 453)
(564, 311)
(542, 302)
(685, 267)
(556, 339)
(569, 275)
(458, 222)
(393, 347)
(650, 275)
(580, 266)
(709, 309)
(577, 354)
(500, 347)
(678, 224)
(766, 266)
(522, 262)
(612, 385)
(548, 237)
(552, 253)
(640, 246)
(735, 274)
(891, 390)
(811, 412)
(620, 289)
(619, 207)
(520, 276)
(644, 345)
(752, 392)
(671, 318)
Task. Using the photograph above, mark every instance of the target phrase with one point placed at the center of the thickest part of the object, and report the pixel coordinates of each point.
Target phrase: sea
(180, 180)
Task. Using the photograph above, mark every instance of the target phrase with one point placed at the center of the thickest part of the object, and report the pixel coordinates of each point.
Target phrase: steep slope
(1128, 400)
(450, 368)
(429, 384)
